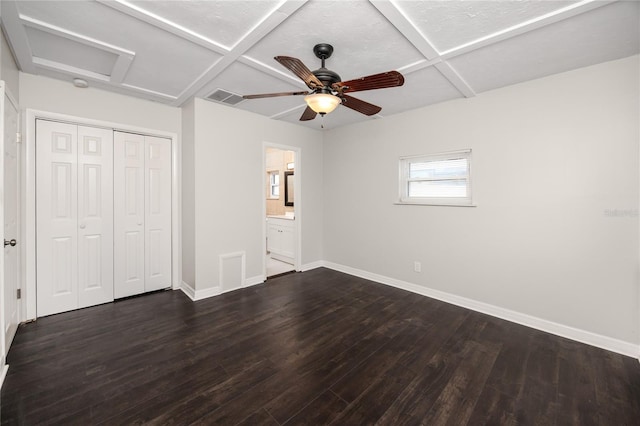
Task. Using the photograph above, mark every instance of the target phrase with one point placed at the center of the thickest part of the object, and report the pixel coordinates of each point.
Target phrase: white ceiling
(171, 51)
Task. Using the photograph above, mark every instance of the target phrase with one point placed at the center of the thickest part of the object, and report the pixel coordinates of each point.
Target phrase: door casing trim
(28, 309)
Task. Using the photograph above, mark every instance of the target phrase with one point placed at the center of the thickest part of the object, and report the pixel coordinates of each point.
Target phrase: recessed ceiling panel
(447, 24)
(162, 59)
(424, 87)
(604, 34)
(164, 63)
(64, 51)
(83, 17)
(364, 41)
(167, 64)
(224, 22)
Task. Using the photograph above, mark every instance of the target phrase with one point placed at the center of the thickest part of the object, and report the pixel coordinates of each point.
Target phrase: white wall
(188, 195)
(229, 192)
(551, 159)
(8, 68)
(62, 97)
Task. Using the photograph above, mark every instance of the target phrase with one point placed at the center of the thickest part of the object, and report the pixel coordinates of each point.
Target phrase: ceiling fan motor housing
(326, 76)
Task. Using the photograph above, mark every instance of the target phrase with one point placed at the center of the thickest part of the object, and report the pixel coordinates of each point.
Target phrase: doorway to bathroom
(281, 191)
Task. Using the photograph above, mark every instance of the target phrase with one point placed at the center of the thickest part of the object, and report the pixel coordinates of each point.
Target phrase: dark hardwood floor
(319, 347)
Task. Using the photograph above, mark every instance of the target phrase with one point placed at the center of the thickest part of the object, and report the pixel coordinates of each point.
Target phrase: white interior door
(95, 216)
(74, 216)
(129, 240)
(11, 221)
(56, 217)
(157, 213)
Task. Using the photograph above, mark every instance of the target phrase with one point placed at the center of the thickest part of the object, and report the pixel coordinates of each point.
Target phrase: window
(274, 184)
(439, 179)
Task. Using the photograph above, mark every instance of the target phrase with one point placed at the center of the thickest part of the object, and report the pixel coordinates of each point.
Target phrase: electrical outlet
(417, 266)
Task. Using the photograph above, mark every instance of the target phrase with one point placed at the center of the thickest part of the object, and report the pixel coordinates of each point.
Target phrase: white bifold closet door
(74, 213)
(142, 213)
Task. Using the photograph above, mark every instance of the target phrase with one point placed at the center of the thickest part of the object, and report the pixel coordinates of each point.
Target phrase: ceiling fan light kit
(322, 103)
(328, 90)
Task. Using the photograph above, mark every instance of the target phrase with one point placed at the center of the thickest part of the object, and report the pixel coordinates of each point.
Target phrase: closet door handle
(11, 243)
(83, 225)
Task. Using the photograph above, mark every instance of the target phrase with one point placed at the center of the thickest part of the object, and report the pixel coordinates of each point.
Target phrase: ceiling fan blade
(298, 68)
(308, 114)
(274, 95)
(361, 106)
(370, 82)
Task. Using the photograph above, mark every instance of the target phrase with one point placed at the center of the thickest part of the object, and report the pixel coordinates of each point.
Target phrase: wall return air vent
(225, 97)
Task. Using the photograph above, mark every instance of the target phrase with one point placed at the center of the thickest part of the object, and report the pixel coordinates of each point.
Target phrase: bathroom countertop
(282, 216)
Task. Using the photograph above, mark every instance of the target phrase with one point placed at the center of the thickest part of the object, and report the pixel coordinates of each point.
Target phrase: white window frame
(403, 167)
(274, 186)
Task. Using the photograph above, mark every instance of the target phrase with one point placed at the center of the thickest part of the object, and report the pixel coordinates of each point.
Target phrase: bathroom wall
(277, 160)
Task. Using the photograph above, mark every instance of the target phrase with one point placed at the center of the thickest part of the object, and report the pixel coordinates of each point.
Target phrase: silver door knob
(11, 243)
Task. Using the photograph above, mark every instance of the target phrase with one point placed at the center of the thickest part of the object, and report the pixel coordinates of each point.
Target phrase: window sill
(400, 203)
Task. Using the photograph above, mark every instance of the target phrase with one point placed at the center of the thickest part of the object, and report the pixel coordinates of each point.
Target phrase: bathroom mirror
(288, 189)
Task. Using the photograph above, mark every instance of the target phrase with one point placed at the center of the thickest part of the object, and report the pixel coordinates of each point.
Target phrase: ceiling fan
(327, 89)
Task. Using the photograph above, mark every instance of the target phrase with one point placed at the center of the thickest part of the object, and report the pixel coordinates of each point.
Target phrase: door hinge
(19, 292)
(18, 137)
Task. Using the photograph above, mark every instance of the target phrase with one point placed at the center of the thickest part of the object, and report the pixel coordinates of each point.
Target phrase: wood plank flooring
(312, 348)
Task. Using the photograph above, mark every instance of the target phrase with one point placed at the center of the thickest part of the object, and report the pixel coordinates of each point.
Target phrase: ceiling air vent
(225, 97)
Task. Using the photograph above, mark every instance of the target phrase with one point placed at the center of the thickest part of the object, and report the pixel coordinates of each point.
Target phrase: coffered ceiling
(171, 51)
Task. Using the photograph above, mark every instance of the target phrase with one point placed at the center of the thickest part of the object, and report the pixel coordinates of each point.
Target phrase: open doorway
(281, 252)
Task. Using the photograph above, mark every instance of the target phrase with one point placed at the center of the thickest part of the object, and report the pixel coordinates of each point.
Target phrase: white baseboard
(215, 291)
(312, 265)
(583, 336)
(207, 292)
(258, 279)
(188, 290)
(199, 294)
(593, 339)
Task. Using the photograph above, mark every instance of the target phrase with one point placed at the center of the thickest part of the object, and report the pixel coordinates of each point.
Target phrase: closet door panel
(56, 217)
(129, 211)
(95, 216)
(158, 213)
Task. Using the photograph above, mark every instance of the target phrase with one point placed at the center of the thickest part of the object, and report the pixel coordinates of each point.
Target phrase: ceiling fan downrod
(326, 76)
